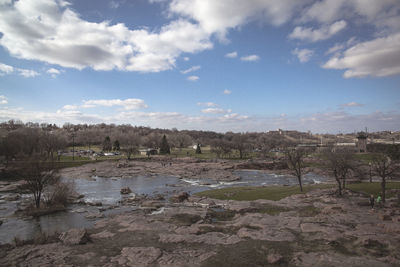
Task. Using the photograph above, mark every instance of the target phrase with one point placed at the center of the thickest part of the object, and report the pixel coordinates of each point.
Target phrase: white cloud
(352, 104)
(313, 35)
(115, 4)
(207, 104)
(220, 16)
(7, 69)
(232, 55)
(54, 72)
(303, 55)
(214, 111)
(331, 10)
(51, 32)
(27, 73)
(191, 69)
(3, 100)
(186, 58)
(193, 78)
(127, 104)
(335, 48)
(379, 57)
(250, 58)
(70, 107)
(227, 92)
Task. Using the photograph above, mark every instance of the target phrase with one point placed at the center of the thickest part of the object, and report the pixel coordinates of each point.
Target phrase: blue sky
(228, 65)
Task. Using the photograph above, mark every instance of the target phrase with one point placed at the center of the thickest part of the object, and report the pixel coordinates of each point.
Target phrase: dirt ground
(317, 228)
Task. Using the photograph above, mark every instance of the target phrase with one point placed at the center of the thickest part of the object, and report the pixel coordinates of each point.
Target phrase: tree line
(19, 140)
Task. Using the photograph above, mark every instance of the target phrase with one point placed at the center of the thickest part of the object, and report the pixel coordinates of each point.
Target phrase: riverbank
(316, 228)
(157, 165)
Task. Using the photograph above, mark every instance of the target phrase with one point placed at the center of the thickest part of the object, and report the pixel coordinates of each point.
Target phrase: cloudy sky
(226, 65)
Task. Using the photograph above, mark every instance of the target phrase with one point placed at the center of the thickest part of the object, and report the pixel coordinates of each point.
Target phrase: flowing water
(107, 191)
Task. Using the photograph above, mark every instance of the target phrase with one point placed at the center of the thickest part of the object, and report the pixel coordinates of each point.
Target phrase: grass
(373, 188)
(366, 157)
(69, 158)
(254, 193)
(265, 208)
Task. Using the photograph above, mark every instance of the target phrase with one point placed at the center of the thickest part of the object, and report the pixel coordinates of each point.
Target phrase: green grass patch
(254, 193)
(366, 157)
(373, 188)
(264, 208)
(76, 157)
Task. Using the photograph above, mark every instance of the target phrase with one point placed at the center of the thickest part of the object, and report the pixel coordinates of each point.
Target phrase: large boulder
(126, 190)
(74, 237)
(180, 197)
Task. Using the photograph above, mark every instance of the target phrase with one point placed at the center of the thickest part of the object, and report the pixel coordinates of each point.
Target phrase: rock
(9, 188)
(97, 204)
(332, 210)
(392, 228)
(104, 234)
(137, 256)
(180, 197)
(274, 258)
(12, 197)
(81, 210)
(95, 216)
(122, 165)
(126, 190)
(385, 217)
(151, 204)
(74, 237)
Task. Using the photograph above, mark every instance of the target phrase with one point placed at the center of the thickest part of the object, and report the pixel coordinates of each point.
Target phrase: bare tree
(130, 143)
(37, 175)
(295, 162)
(340, 164)
(152, 140)
(182, 141)
(240, 143)
(52, 142)
(385, 168)
(9, 147)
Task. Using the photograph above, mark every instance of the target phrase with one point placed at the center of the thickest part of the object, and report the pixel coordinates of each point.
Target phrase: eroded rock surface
(314, 229)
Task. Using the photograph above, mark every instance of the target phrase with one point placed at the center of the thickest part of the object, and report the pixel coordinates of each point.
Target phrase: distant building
(362, 142)
(148, 151)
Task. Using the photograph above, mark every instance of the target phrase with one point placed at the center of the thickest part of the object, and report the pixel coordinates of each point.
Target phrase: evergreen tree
(107, 144)
(164, 147)
(198, 149)
(116, 146)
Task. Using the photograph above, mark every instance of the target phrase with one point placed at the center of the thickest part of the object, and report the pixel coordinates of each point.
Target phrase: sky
(327, 66)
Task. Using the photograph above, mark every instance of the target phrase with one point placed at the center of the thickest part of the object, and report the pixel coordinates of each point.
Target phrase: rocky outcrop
(74, 237)
(126, 190)
(137, 256)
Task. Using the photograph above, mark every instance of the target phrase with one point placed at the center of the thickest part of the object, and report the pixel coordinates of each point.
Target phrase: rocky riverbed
(317, 228)
(179, 167)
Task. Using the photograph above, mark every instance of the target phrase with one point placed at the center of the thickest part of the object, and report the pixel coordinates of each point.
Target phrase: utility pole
(73, 145)
(370, 172)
